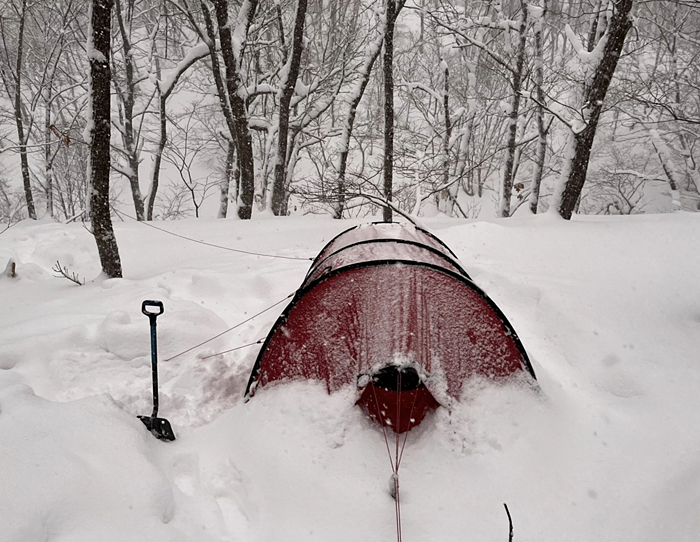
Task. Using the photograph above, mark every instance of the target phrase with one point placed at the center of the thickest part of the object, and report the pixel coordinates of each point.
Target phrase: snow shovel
(159, 427)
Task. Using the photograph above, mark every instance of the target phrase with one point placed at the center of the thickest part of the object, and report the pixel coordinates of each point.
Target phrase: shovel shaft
(154, 366)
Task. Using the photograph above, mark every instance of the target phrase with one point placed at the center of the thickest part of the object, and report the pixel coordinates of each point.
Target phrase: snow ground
(608, 449)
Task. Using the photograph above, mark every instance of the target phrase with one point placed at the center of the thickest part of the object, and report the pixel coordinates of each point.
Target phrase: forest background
(355, 108)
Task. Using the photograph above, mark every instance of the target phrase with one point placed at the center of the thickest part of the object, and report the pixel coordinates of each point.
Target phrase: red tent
(388, 308)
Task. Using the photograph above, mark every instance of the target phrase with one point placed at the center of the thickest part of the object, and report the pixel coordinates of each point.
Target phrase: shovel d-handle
(152, 315)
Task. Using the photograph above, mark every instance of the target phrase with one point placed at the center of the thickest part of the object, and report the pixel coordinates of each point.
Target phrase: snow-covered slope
(608, 448)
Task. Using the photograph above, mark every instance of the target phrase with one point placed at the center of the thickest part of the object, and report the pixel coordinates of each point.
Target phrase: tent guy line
(213, 245)
(259, 341)
(239, 324)
(399, 454)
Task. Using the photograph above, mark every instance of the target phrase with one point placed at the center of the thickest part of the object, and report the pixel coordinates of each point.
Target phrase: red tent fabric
(388, 308)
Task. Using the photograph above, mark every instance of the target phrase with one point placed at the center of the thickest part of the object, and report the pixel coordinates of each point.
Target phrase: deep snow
(608, 448)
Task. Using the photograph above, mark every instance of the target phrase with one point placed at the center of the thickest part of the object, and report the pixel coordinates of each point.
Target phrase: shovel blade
(159, 427)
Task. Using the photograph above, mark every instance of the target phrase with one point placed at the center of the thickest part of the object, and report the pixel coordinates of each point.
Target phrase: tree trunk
(511, 145)
(216, 70)
(689, 191)
(594, 96)
(279, 189)
(448, 135)
(244, 141)
(371, 56)
(100, 76)
(128, 100)
(19, 121)
(391, 13)
(660, 149)
(229, 175)
(541, 130)
(162, 140)
(48, 159)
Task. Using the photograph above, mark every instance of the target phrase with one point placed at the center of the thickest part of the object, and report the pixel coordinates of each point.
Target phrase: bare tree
(126, 86)
(100, 75)
(662, 93)
(240, 131)
(164, 88)
(12, 72)
(185, 155)
(603, 55)
(355, 97)
(58, 82)
(287, 85)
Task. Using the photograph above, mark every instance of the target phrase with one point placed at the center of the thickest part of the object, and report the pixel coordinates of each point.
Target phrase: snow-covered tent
(388, 308)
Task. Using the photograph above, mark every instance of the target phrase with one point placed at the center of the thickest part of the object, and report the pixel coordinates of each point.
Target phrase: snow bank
(82, 470)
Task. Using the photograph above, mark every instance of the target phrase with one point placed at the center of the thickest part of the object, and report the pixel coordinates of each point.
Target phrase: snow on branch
(260, 124)
(634, 173)
(240, 32)
(488, 22)
(588, 60)
(481, 45)
(170, 77)
(411, 86)
(371, 53)
(257, 89)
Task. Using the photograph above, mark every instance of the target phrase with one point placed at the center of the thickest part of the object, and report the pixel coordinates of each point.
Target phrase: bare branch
(62, 271)
(510, 523)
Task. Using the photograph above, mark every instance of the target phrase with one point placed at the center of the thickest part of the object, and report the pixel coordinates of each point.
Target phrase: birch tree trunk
(517, 72)
(162, 140)
(541, 129)
(690, 189)
(448, 130)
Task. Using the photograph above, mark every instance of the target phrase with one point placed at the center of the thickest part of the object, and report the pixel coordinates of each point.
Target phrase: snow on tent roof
(389, 295)
(397, 240)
